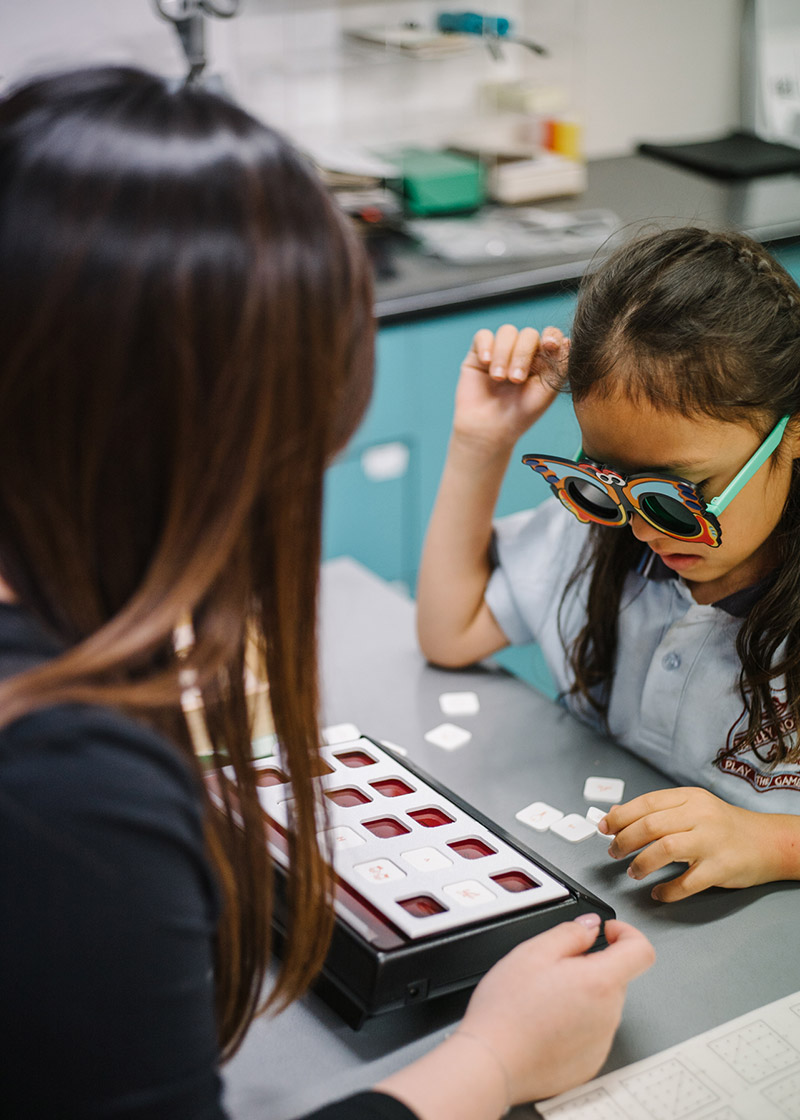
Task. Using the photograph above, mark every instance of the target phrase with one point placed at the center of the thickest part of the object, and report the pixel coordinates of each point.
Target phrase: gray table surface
(719, 954)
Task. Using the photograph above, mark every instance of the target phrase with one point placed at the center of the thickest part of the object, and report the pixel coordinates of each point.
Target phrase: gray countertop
(640, 189)
(720, 953)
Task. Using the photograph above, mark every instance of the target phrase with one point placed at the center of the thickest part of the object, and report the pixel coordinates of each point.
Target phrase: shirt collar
(738, 603)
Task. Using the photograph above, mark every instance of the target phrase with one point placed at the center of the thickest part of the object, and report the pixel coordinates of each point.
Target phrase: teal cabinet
(372, 491)
(370, 513)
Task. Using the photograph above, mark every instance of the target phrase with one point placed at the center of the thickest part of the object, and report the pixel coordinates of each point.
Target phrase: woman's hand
(549, 1012)
(725, 846)
(504, 385)
(541, 1021)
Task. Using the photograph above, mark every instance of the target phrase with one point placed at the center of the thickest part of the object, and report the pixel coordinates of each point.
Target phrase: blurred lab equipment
(437, 182)
(771, 70)
(525, 233)
(454, 33)
(188, 18)
(493, 29)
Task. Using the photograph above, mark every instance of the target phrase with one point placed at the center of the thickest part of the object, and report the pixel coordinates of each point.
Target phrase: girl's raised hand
(724, 845)
(505, 383)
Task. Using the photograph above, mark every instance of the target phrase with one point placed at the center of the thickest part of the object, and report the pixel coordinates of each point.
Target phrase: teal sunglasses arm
(760, 456)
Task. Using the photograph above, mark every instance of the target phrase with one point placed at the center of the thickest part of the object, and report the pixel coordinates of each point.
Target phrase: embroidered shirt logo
(761, 777)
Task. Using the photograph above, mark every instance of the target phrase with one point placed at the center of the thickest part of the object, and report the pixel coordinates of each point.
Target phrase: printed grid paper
(746, 1069)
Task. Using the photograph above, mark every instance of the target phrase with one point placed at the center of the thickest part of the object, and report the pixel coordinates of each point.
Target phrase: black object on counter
(739, 155)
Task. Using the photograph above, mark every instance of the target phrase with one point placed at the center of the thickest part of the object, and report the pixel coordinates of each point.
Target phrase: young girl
(664, 583)
(185, 342)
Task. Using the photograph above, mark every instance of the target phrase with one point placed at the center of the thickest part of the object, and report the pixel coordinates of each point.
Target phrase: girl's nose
(643, 530)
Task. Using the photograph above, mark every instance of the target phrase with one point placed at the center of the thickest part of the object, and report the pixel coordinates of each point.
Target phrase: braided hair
(712, 323)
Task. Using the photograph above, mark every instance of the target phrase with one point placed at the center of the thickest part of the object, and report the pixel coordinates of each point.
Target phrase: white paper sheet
(747, 1069)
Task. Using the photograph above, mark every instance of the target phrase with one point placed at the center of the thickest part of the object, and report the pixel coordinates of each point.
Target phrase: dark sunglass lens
(670, 515)
(593, 499)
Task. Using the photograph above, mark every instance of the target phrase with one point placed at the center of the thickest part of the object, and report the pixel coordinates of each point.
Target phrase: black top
(107, 914)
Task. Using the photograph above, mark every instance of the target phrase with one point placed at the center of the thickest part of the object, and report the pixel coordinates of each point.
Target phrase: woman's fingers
(629, 953)
(567, 939)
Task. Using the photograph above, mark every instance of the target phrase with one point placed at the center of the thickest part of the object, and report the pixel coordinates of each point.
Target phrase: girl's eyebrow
(691, 465)
(679, 466)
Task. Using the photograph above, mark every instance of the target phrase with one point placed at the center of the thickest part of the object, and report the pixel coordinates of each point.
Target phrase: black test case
(372, 967)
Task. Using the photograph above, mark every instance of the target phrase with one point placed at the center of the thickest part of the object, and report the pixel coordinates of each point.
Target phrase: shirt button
(671, 661)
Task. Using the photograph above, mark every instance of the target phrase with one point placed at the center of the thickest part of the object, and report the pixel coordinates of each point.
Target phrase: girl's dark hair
(186, 339)
(708, 324)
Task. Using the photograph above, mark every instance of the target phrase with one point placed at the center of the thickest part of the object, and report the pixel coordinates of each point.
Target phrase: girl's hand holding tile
(724, 845)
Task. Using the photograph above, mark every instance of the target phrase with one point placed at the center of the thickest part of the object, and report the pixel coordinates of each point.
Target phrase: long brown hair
(708, 323)
(186, 339)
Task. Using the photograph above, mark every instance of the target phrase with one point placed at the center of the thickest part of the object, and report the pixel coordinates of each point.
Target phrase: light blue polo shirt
(675, 700)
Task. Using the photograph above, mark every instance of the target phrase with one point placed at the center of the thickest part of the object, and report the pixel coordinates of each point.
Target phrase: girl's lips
(679, 561)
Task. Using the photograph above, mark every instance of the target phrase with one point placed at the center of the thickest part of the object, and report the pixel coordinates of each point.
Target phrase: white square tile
(573, 827)
(448, 736)
(427, 859)
(340, 733)
(459, 703)
(539, 815)
(608, 790)
(379, 870)
(469, 892)
(342, 837)
(595, 815)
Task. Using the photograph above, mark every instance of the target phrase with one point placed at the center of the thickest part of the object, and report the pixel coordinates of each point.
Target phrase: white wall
(640, 69)
(660, 70)
(38, 35)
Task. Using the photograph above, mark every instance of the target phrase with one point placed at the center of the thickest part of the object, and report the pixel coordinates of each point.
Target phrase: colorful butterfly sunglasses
(593, 492)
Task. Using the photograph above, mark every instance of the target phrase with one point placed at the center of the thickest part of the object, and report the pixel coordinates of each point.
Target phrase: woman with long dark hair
(186, 340)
